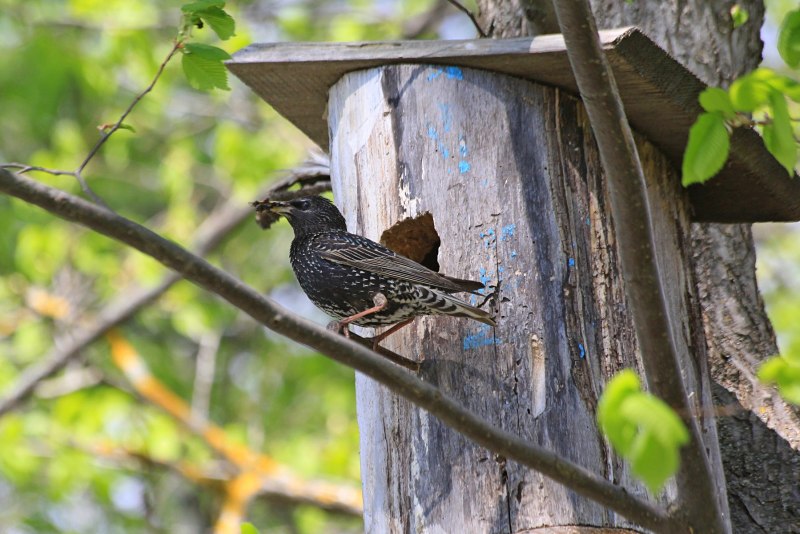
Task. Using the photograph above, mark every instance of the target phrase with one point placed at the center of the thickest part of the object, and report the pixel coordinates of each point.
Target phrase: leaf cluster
(642, 429)
(203, 63)
(762, 91)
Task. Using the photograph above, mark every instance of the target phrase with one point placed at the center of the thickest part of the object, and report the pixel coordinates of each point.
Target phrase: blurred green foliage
(70, 66)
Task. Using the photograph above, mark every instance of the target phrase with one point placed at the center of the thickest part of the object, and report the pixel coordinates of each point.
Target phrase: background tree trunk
(761, 467)
(510, 175)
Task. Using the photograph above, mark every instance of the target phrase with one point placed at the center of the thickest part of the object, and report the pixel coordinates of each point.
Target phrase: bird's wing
(361, 253)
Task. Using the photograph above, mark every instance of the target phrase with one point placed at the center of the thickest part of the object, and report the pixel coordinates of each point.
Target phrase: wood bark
(739, 335)
(510, 175)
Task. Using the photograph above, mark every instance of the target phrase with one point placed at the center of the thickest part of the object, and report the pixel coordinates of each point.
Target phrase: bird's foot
(490, 296)
(339, 327)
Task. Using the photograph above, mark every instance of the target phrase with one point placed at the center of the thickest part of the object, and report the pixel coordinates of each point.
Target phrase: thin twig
(460, 7)
(24, 168)
(630, 209)
(282, 321)
(116, 126)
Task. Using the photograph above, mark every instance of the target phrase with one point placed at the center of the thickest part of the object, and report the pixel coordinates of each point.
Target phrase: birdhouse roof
(659, 95)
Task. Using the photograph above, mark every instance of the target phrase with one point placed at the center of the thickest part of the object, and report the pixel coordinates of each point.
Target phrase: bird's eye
(302, 205)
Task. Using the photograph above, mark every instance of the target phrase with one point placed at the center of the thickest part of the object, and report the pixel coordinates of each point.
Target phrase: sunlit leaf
(752, 90)
(220, 21)
(779, 134)
(203, 67)
(248, 528)
(715, 99)
(642, 429)
(201, 5)
(707, 149)
(739, 15)
(789, 39)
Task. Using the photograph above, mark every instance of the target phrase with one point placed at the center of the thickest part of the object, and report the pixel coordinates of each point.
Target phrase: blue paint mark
(445, 152)
(582, 350)
(485, 276)
(462, 146)
(507, 231)
(587, 221)
(482, 338)
(500, 274)
(485, 182)
(432, 132)
(454, 73)
(473, 300)
(571, 262)
(463, 166)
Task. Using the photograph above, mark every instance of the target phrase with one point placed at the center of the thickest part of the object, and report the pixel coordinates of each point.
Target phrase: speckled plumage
(342, 272)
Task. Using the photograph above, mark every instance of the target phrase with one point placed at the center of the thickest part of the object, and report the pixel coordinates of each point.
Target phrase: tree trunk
(761, 468)
(510, 176)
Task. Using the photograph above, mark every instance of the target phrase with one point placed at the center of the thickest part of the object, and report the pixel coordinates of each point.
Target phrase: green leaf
(789, 39)
(707, 149)
(779, 134)
(609, 413)
(739, 15)
(716, 99)
(220, 21)
(752, 90)
(642, 429)
(789, 87)
(125, 126)
(206, 51)
(203, 66)
(201, 5)
(786, 373)
(248, 528)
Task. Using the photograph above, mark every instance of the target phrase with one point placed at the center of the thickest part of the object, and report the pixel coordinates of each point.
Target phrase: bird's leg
(380, 303)
(380, 337)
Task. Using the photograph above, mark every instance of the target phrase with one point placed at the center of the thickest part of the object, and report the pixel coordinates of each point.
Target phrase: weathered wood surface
(510, 174)
(659, 94)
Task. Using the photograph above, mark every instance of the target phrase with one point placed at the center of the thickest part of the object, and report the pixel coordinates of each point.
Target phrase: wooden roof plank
(659, 94)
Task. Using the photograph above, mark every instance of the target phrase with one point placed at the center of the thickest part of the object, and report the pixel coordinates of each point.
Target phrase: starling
(358, 281)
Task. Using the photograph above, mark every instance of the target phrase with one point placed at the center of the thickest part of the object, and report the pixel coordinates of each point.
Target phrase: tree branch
(352, 354)
(215, 227)
(631, 212)
(458, 5)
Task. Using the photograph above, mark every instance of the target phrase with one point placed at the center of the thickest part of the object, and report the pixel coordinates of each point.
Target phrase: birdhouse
(476, 157)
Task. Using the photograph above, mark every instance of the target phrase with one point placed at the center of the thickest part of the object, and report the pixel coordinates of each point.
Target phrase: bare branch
(275, 317)
(631, 212)
(458, 5)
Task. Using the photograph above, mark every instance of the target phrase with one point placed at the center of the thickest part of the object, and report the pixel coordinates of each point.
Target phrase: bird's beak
(268, 212)
(274, 207)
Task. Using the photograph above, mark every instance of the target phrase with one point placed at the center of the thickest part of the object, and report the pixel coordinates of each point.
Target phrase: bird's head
(306, 215)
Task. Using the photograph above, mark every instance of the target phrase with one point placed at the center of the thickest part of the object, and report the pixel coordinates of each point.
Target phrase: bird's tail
(441, 303)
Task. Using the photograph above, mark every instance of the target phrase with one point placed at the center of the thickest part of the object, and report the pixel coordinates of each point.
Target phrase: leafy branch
(762, 91)
(202, 64)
